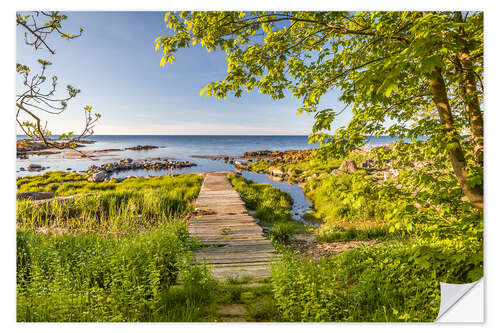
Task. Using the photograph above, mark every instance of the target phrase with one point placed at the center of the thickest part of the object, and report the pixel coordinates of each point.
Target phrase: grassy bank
(129, 206)
(123, 253)
(113, 255)
(415, 237)
(90, 277)
(420, 242)
(272, 208)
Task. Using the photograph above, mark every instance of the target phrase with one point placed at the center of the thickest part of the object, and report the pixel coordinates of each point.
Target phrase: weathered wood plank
(238, 247)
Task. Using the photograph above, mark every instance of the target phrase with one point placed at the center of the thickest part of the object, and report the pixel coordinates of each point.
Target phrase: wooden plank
(239, 247)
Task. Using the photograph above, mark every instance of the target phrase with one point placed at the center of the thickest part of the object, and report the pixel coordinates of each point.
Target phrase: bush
(390, 282)
(348, 197)
(282, 233)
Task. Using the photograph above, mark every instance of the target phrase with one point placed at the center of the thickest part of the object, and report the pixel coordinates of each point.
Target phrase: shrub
(389, 282)
(282, 233)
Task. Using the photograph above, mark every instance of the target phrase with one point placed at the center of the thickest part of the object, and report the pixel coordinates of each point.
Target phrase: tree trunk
(467, 82)
(456, 154)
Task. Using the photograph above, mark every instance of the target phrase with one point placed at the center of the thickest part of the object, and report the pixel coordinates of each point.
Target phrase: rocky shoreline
(380, 170)
(105, 171)
(27, 147)
(30, 147)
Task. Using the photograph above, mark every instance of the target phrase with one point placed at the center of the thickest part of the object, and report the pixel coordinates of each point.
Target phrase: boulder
(277, 171)
(335, 172)
(140, 147)
(35, 195)
(34, 167)
(98, 176)
(348, 166)
(240, 165)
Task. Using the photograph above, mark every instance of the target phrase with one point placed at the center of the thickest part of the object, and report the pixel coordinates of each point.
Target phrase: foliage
(348, 197)
(389, 282)
(430, 235)
(39, 97)
(402, 74)
(281, 233)
(88, 277)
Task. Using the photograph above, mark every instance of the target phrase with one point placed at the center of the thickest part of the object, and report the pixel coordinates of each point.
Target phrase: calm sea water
(179, 147)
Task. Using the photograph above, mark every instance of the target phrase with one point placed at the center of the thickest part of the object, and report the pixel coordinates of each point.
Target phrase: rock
(34, 167)
(139, 147)
(35, 195)
(391, 173)
(241, 165)
(348, 166)
(277, 171)
(22, 169)
(68, 168)
(335, 172)
(98, 176)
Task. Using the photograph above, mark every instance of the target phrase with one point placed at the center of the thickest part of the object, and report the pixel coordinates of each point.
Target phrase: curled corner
(454, 299)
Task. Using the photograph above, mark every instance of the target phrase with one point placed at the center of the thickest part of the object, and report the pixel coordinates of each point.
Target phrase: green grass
(91, 277)
(113, 255)
(347, 197)
(29, 183)
(64, 183)
(272, 206)
(260, 165)
(336, 233)
(132, 205)
(395, 281)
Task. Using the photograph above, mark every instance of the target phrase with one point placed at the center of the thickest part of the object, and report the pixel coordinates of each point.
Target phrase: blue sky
(115, 65)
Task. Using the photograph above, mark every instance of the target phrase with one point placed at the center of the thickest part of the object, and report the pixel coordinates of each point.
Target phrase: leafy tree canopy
(405, 74)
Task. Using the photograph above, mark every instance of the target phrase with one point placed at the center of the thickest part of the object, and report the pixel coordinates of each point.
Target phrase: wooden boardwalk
(235, 244)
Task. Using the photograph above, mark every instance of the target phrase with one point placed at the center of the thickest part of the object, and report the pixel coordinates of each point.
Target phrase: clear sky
(116, 66)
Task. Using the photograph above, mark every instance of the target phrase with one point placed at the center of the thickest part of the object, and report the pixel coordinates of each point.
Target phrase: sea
(184, 148)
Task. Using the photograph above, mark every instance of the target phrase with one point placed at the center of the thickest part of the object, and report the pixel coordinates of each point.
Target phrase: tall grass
(133, 205)
(272, 207)
(90, 277)
(112, 255)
